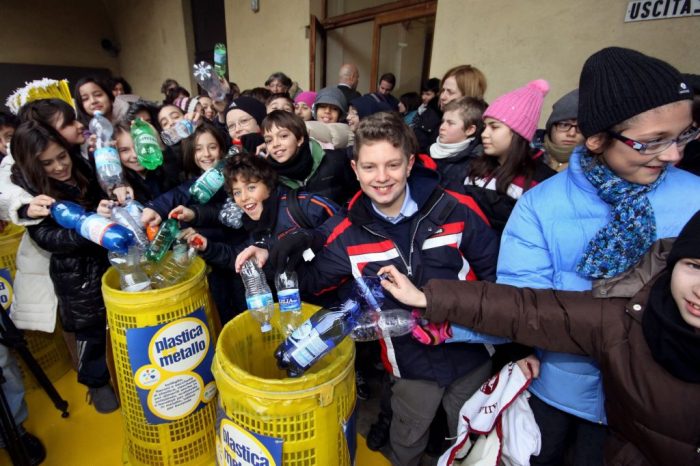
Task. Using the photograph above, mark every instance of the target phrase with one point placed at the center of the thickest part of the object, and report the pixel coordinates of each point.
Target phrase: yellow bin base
(311, 416)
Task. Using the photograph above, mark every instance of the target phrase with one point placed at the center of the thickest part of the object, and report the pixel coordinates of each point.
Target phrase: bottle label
(107, 159)
(289, 300)
(308, 349)
(94, 228)
(259, 300)
(213, 179)
(145, 139)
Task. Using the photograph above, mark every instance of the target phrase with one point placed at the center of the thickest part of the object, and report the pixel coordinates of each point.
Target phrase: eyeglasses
(242, 123)
(565, 126)
(656, 147)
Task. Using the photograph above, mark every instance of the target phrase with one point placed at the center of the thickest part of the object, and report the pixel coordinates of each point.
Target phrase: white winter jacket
(34, 303)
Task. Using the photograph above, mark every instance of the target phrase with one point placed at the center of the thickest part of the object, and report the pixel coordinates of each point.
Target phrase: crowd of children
(438, 190)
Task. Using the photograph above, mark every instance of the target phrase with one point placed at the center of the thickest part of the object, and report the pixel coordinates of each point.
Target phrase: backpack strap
(295, 210)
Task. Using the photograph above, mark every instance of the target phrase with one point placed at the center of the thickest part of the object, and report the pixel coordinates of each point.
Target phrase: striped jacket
(448, 238)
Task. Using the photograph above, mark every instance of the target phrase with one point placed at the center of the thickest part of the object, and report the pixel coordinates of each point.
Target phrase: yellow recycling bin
(163, 344)
(266, 418)
(49, 349)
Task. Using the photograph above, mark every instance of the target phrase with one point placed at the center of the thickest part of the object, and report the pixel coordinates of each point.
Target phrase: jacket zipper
(407, 264)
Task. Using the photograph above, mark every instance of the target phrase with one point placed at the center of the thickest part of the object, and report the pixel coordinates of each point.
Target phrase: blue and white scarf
(632, 227)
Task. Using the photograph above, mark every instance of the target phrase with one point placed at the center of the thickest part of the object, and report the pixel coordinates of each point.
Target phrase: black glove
(287, 253)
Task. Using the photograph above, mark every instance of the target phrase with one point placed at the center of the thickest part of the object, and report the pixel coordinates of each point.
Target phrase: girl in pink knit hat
(303, 103)
(508, 166)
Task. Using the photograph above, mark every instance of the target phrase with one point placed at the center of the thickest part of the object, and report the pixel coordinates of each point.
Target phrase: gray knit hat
(565, 108)
(617, 84)
(332, 96)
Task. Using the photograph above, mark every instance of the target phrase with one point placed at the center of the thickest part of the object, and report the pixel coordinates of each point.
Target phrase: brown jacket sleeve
(563, 321)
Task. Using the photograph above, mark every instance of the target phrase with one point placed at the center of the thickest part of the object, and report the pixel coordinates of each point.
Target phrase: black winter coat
(76, 265)
(453, 170)
(427, 125)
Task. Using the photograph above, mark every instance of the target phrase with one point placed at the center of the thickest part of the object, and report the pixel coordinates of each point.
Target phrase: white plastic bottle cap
(308, 255)
(266, 327)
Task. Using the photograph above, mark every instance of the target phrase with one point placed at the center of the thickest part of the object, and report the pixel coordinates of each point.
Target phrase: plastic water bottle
(258, 296)
(107, 163)
(231, 214)
(287, 285)
(182, 129)
(208, 183)
(212, 180)
(92, 226)
(167, 234)
(220, 59)
(146, 144)
(124, 217)
(314, 338)
(131, 277)
(324, 330)
(174, 268)
(377, 325)
(207, 78)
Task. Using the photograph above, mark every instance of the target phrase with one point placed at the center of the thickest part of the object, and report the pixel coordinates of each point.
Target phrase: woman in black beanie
(596, 220)
(645, 336)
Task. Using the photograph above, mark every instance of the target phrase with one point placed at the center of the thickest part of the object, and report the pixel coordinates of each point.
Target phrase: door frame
(382, 15)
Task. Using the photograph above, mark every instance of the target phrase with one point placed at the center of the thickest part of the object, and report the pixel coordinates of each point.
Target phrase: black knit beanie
(687, 244)
(618, 83)
(251, 106)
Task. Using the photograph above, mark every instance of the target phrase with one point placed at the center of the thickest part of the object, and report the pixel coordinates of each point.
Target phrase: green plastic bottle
(146, 145)
(220, 59)
(167, 234)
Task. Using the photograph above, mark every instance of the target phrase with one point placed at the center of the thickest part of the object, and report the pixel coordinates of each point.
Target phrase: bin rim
(116, 295)
(307, 381)
(279, 388)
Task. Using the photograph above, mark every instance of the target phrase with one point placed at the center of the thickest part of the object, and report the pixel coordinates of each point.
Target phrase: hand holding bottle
(259, 255)
(401, 287)
(150, 217)
(40, 206)
(198, 242)
(182, 213)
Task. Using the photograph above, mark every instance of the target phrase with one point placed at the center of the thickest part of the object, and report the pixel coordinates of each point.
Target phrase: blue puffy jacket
(543, 241)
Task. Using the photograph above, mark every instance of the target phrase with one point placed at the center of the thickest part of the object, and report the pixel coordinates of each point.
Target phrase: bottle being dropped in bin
(124, 216)
(171, 271)
(258, 296)
(107, 163)
(146, 145)
(207, 78)
(289, 301)
(377, 325)
(131, 277)
(324, 330)
(211, 181)
(231, 214)
(167, 234)
(92, 226)
(182, 129)
(220, 60)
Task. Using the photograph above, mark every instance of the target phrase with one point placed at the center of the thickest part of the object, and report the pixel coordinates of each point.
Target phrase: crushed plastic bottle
(231, 214)
(327, 327)
(182, 129)
(125, 217)
(212, 180)
(391, 323)
(108, 165)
